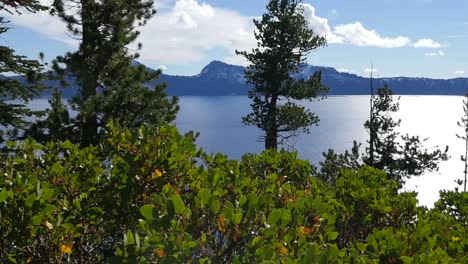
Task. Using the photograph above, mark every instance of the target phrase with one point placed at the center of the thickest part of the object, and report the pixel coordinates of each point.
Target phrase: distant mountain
(215, 79)
(218, 79)
(221, 79)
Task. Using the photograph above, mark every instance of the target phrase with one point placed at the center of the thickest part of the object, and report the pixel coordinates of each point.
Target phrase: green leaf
(361, 247)
(242, 200)
(204, 195)
(333, 251)
(30, 200)
(253, 200)
(228, 209)
(274, 216)
(4, 194)
(285, 218)
(332, 235)
(77, 204)
(406, 259)
(268, 253)
(36, 220)
(178, 203)
(47, 194)
(147, 211)
(236, 218)
(387, 209)
(214, 205)
(137, 240)
(49, 209)
(12, 258)
(130, 239)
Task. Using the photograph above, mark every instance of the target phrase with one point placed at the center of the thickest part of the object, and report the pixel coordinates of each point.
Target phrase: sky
(414, 38)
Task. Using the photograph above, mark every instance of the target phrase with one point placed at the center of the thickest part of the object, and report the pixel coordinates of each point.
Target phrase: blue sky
(422, 38)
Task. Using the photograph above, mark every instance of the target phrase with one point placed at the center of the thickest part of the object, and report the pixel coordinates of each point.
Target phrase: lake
(218, 119)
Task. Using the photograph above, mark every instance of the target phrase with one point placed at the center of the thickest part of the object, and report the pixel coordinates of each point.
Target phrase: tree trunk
(271, 140)
(271, 137)
(466, 161)
(371, 120)
(372, 139)
(89, 127)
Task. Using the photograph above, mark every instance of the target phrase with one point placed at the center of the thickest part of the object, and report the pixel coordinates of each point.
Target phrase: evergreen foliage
(334, 162)
(463, 123)
(399, 157)
(28, 73)
(283, 40)
(104, 63)
(57, 125)
(19, 6)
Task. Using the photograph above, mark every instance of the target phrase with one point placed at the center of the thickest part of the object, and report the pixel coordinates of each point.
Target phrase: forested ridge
(118, 183)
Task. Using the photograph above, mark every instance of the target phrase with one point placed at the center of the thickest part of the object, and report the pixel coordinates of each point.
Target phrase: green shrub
(153, 197)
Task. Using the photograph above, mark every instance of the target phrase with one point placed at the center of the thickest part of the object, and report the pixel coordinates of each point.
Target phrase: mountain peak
(220, 70)
(217, 65)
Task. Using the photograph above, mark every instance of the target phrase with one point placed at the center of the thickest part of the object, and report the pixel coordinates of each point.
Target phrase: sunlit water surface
(218, 119)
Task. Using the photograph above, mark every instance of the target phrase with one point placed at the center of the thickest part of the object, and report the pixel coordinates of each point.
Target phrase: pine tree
(27, 74)
(401, 157)
(463, 123)
(132, 104)
(57, 126)
(105, 63)
(283, 40)
(334, 162)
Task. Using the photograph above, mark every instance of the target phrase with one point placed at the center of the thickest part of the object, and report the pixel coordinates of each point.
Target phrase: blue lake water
(218, 119)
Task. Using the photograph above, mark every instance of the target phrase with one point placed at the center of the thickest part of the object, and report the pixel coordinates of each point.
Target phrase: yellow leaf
(283, 250)
(160, 252)
(221, 224)
(67, 249)
(157, 173)
(29, 260)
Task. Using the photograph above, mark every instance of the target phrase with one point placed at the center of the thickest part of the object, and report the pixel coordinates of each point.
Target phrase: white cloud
(183, 33)
(186, 31)
(44, 23)
(459, 72)
(435, 54)
(427, 43)
(353, 33)
(163, 4)
(344, 70)
(319, 25)
(190, 29)
(162, 67)
(236, 60)
(369, 70)
(358, 35)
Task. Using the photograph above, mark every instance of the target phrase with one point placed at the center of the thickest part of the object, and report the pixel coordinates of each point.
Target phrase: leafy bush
(152, 196)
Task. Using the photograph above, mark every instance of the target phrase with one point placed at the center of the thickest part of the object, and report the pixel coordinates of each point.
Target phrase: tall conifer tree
(27, 72)
(103, 62)
(283, 40)
(400, 156)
